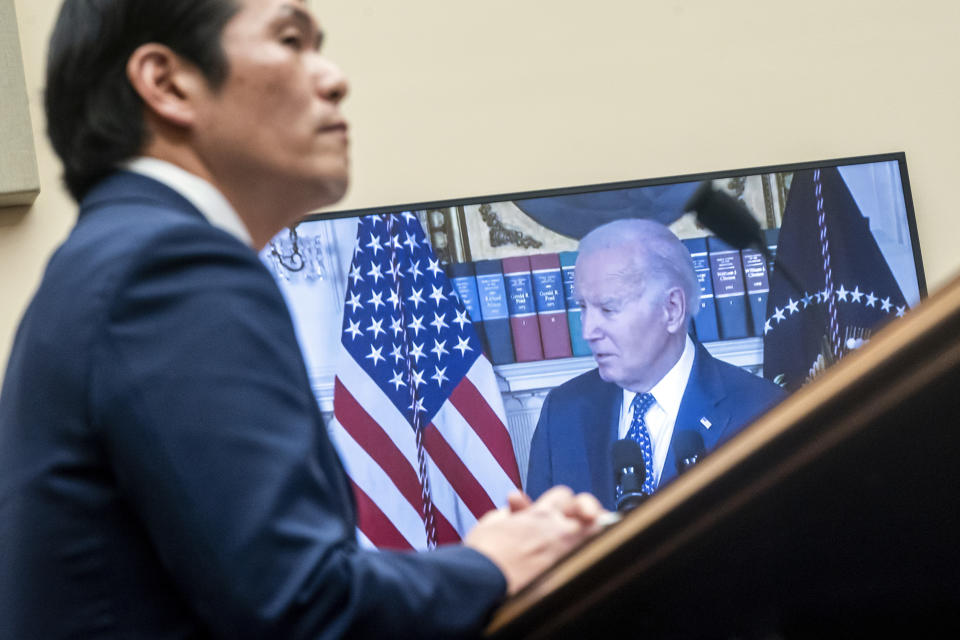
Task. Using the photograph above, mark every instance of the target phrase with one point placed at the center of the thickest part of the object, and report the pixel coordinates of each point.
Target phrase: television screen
(432, 332)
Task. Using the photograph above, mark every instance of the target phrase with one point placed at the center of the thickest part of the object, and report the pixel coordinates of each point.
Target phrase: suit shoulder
(140, 223)
(579, 394)
(138, 249)
(743, 383)
(130, 234)
(583, 383)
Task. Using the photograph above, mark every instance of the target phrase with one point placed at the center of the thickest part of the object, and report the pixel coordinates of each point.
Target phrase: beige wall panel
(457, 99)
(19, 182)
(28, 234)
(450, 98)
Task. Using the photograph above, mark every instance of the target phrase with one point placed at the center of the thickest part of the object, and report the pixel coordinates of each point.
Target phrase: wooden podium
(836, 514)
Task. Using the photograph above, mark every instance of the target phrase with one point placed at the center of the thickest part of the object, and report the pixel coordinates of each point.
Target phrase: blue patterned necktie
(641, 435)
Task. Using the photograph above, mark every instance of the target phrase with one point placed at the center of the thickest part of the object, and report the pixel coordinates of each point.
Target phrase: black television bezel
(898, 156)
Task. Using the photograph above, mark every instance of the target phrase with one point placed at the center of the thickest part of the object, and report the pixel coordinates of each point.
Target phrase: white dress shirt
(197, 191)
(662, 415)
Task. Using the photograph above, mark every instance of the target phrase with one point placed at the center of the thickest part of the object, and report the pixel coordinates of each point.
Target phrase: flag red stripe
(459, 476)
(378, 445)
(446, 534)
(375, 524)
(470, 402)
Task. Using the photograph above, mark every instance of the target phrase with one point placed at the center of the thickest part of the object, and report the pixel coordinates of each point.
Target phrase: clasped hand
(525, 538)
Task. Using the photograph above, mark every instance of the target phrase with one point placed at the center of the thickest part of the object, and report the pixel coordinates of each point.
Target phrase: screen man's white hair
(658, 256)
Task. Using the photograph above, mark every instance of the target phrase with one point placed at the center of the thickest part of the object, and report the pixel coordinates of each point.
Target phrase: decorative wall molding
(19, 178)
(501, 235)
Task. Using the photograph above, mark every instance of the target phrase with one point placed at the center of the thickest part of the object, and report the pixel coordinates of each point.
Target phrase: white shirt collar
(661, 418)
(668, 392)
(198, 192)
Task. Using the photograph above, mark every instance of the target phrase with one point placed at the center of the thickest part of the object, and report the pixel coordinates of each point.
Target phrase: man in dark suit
(637, 291)
(164, 469)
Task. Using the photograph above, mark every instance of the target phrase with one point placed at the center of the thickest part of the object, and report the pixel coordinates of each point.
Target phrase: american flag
(418, 416)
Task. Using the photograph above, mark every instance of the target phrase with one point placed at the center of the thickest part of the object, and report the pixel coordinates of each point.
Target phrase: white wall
(460, 99)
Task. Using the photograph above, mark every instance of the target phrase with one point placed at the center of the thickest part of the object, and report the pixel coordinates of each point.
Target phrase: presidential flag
(846, 288)
(418, 416)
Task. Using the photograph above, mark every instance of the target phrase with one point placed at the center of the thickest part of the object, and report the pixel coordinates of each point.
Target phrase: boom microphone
(731, 221)
(727, 217)
(628, 473)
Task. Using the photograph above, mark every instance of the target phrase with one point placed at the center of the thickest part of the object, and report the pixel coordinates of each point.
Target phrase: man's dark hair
(94, 116)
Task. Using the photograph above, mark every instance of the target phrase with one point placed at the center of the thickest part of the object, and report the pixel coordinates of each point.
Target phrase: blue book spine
(493, 308)
(729, 290)
(464, 282)
(568, 263)
(705, 322)
(758, 288)
(772, 236)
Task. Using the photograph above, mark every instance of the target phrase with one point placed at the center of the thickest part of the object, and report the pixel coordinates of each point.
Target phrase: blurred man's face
(275, 122)
(629, 334)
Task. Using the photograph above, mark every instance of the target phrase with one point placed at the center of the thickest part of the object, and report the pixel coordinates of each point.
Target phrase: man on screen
(637, 291)
(164, 468)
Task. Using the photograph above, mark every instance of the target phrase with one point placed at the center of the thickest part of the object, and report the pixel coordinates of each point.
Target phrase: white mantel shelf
(529, 376)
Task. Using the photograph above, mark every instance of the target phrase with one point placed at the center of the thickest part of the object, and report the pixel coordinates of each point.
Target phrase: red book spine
(523, 312)
(551, 305)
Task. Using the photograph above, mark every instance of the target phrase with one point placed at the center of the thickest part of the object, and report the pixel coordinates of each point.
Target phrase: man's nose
(332, 83)
(589, 327)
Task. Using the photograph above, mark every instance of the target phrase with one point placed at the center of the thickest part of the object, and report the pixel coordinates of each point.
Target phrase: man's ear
(675, 310)
(166, 83)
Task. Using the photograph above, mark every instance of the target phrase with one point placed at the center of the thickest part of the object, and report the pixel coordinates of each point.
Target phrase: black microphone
(629, 473)
(730, 220)
(689, 449)
(727, 217)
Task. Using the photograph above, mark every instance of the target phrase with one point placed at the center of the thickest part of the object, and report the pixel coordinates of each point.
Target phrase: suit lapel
(599, 435)
(700, 409)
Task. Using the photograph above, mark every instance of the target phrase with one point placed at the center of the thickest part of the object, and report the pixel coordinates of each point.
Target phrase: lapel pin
(706, 423)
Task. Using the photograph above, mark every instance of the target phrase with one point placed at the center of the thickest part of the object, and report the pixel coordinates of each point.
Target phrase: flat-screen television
(433, 331)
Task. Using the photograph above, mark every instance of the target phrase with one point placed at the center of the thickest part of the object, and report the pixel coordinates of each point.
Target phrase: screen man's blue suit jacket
(164, 468)
(580, 420)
